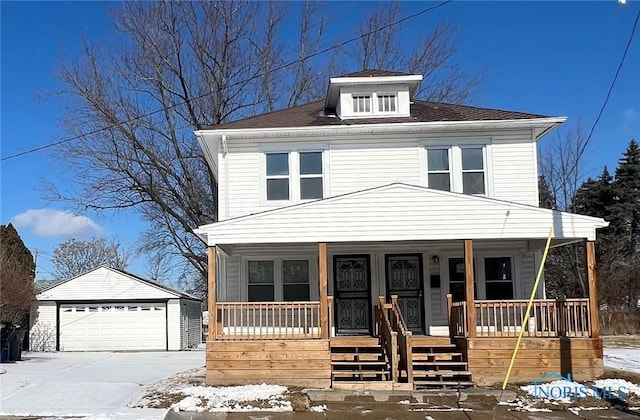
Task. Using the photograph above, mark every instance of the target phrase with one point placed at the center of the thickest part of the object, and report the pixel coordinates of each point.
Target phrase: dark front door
(404, 278)
(352, 277)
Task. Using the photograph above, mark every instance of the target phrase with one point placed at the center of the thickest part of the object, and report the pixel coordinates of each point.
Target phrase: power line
(613, 83)
(204, 95)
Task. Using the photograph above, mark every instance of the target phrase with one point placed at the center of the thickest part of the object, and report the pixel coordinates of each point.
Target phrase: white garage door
(113, 326)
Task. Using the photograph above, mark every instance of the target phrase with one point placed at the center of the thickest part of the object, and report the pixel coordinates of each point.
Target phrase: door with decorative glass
(404, 279)
(352, 279)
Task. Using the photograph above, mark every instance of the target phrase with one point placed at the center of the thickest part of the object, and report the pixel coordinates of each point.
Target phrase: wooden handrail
(388, 337)
(405, 349)
(268, 320)
(503, 318)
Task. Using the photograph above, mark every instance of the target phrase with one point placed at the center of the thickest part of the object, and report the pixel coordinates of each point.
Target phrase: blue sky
(553, 58)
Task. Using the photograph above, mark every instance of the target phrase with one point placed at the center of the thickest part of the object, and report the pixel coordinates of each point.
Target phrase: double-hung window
(310, 175)
(278, 178)
(294, 175)
(472, 170)
(278, 279)
(498, 278)
(457, 168)
(438, 169)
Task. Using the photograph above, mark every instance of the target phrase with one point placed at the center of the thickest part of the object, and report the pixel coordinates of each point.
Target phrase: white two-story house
(374, 238)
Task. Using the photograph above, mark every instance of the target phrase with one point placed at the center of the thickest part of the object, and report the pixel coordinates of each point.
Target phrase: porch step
(358, 359)
(439, 363)
(440, 373)
(359, 363)
(442, 384)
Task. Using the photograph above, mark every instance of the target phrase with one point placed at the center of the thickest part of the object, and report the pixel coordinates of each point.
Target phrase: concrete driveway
(87, 384)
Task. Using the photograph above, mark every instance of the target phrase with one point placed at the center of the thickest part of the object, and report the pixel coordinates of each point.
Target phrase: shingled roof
(314, 114)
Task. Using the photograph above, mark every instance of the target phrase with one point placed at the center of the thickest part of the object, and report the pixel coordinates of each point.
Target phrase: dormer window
(386, 103)
(361, 104)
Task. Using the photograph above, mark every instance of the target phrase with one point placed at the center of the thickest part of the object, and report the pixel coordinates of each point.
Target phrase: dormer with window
(372, 94)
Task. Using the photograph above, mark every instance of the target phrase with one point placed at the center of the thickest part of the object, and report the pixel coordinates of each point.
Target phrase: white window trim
(289, 176)
(294, 172)
(278, 282)
(455, 161)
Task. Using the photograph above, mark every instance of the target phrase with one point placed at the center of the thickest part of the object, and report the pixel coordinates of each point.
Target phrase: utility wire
(204, 95)
(606, 99)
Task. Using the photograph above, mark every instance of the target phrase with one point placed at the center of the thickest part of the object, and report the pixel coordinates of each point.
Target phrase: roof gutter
(547, 124)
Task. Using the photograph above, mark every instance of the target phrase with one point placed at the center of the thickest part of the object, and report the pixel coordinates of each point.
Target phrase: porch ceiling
(401, 212)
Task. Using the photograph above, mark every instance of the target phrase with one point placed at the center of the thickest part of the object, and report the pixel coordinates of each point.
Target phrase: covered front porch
(329, 293)
(302, 343)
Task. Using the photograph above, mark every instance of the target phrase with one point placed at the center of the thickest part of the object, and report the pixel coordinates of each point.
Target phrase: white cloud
(51, 222)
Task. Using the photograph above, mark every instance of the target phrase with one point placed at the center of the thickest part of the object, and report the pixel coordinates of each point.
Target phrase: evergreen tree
(17, 272)
(626, 211)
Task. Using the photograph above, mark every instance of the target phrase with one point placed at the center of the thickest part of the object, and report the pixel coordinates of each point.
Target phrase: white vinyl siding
(371, 163)
(104, 284)
(514, 167)
(43, 329)
(358, 163)
(175, 324)
(194, 329)
(401, 212)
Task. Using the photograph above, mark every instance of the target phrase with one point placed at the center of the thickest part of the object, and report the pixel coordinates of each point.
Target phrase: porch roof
(400, 212)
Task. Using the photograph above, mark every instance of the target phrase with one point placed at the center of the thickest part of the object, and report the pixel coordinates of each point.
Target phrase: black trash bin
(6, 335)
(15, 347)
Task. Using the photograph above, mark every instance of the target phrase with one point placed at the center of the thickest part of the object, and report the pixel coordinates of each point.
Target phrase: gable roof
(314, 114)
(401, 212)
(48, 286)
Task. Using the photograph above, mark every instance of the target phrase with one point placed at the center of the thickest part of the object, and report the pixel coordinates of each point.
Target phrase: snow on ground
(618, 384)
(231, 398)
(89, 384)
(560, 390)
(622, 358)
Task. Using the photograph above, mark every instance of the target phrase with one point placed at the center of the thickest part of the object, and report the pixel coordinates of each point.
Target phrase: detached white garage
(109, 309)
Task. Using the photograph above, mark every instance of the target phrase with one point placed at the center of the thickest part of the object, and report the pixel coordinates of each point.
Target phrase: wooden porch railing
(388, 336)
(268, 320)
(503, 318)
(405, 351)
(457, 315)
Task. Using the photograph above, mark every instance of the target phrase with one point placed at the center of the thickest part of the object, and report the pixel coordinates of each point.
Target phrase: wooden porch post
(213, 316)
(594, 308)
(322, 278)
(468, 279)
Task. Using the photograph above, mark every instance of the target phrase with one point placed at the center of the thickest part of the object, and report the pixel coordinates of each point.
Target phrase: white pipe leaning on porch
(526, 315)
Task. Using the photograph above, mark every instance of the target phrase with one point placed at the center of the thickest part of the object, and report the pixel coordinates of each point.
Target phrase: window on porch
(278, 280)
(498, 278)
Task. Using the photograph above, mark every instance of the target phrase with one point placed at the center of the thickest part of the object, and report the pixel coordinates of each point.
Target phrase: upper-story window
(386, 103)
(361, 104)
(294, 175)
(310, 175)
(457, 168)
(473, 170)
(278, 179)
(438, 168)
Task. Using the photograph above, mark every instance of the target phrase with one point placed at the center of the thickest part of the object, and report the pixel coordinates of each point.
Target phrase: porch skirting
(305, 363)
(488, 358)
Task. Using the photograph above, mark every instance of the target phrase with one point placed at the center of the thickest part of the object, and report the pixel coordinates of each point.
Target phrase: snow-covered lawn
(627, 359)
(92, 384)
